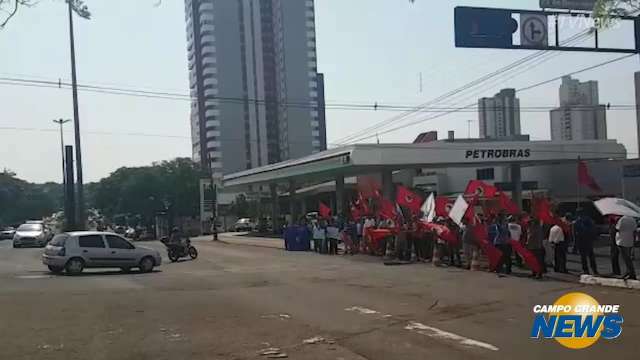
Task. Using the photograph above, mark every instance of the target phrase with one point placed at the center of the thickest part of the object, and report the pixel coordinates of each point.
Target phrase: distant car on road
(74, 251)
(31, 235)
(243, 225)
(7, 233)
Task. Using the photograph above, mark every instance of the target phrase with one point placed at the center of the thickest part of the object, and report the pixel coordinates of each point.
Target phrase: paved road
(234, 301)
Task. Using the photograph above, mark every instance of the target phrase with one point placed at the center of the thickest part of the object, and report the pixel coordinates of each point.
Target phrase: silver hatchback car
(74, 251)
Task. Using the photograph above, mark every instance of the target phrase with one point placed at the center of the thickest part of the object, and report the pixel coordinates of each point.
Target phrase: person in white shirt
(557, 240)
(516, 234)
(625, 237)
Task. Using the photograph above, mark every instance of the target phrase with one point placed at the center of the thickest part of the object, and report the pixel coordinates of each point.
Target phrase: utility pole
(61, 122)
(76, 122)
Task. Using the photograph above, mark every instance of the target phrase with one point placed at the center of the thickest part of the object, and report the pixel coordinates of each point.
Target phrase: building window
(485, 174)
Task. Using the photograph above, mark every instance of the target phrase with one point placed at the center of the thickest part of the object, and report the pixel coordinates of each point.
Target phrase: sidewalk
(244, 239)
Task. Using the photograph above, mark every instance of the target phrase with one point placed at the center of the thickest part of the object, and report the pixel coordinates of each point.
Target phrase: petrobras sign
(584, 5)
(492, 154)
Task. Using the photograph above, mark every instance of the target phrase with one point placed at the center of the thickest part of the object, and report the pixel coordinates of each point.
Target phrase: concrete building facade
(254, 82)
(499, 116)
(580, 116)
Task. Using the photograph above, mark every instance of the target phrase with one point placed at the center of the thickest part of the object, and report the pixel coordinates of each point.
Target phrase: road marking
(441, 334)
(361, 310)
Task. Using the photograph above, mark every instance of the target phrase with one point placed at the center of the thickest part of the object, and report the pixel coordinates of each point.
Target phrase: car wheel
(16, 246)
(146, 264)
(74, 266)
(55, 269)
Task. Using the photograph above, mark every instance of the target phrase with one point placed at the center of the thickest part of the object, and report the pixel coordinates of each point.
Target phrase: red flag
(507, 204)
(477, 187)
(481, 233)
(408, 199)
(542, 209)
(368, 185)
(443, 206)
(324, 211)
(470, 214)
(387, 209)
(528, 256)
(585, 178)
(442, 231)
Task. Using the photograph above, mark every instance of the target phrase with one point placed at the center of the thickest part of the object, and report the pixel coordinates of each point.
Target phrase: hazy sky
(370, 51)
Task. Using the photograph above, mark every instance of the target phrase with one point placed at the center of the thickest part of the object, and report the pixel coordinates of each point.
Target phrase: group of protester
(521, 237)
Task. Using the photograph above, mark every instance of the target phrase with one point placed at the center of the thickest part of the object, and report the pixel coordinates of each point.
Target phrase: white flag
(429, 208)
(457, 211)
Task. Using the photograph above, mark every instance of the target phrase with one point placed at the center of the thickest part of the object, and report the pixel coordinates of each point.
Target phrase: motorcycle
(177, 251)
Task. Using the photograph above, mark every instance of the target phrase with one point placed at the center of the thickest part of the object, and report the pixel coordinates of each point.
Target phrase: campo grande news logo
(576, 320)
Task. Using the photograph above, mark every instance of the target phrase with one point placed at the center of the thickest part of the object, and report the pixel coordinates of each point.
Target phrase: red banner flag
(443, 206)
(387, 209)
(470, 214)
(585, 178)
(480, 188)
(482, 237)
(408, 199)
(507, 204)
(442, 231)
(324, 211)
(528, 256)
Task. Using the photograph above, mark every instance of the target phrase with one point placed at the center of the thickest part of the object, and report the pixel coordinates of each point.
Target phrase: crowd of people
(521, 238)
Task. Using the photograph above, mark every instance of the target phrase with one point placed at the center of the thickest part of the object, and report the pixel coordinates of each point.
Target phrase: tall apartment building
(580, 116)
(499, 116)
(254, 82)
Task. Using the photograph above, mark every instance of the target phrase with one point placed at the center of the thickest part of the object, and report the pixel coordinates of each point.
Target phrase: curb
(620, 283)
(252, 245)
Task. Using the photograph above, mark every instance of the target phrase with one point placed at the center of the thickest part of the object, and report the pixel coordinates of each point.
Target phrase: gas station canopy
(369, 158)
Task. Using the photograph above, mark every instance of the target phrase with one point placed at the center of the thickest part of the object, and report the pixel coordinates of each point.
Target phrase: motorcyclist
(176, 238)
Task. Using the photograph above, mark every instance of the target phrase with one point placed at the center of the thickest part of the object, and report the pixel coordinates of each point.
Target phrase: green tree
(607, 8)
(21, 200)
(141, 191)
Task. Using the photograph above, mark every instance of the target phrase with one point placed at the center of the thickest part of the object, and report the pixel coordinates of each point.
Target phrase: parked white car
(74, 251)
(244, 224)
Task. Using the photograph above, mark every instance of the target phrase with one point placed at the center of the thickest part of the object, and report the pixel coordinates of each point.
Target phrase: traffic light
(484, 28)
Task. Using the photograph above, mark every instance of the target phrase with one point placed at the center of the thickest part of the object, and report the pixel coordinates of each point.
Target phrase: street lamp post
(61, 122)
(76, 122)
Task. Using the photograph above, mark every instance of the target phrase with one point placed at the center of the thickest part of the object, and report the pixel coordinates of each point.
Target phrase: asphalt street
(236, 302)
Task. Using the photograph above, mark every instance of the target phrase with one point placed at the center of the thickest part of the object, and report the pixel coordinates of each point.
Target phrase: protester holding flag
(501, 241)
(535, 235)
(468, 242)
(454, 246)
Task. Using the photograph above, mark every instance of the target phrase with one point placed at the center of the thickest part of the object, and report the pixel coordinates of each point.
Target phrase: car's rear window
(59, 240)
(91, 241)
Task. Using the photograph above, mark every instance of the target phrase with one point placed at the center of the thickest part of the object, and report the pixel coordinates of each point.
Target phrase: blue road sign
(481, 27)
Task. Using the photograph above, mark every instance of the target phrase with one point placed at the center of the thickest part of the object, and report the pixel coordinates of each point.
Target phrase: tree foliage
(607, 8)
(21, 200)
(143, 191)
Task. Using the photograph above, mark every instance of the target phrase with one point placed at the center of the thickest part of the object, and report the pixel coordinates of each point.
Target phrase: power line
(472, 84)
(472, 104)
